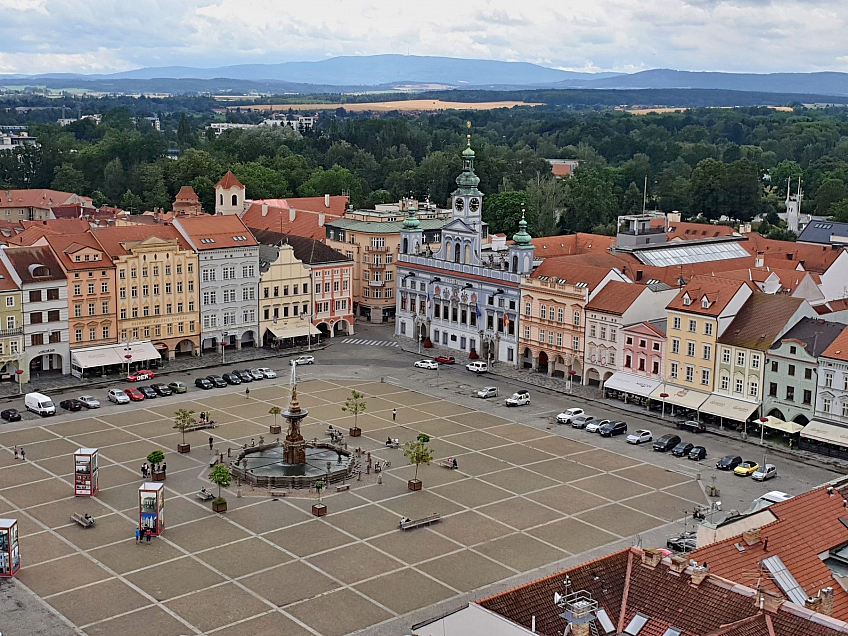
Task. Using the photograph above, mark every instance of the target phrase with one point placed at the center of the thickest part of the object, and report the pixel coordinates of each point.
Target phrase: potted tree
(355, 404)
(276, 429)
(155, 458)
(418, 453)
(183, 419)
(221, 477)
(319, 509)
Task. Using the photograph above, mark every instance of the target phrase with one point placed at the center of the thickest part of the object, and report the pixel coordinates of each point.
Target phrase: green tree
(132, 202)
(319, 486)
(260, 181)
(275, 411)
(781, 234)
(590, 200)
(632, 203)
(155, 458)
(743, 190)
(334, 181)
(546, 198)
(183, 419)
(221, 477)
(784, 172)
(69, 179)
(355, 403)
(839, 211)
(502, 211)
(185, 135)
(114, 180)
(707, 189)
(829, 192)
(418, 452)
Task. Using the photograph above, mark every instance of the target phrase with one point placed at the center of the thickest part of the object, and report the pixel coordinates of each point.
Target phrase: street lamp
(19, 373)
(420, 339)
(571, 374)
(663, 396)
(223, 346)
(128, 357)
(763, 421)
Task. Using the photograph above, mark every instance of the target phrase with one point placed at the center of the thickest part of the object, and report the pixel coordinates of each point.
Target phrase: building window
(708, 352)
(675, 345)
(592, 331)
(542, 336)
(550, 337)
(673, 369)
(92, 333)
(576, 318)
(774, 366)
(773, 389)
(675, 323)
(826, 405)
(543, 312)
(725, 355)
(690, 373)
(655, 368)
(92, 309)
(791, 370)
(627, 361)
(693, 326)
(560, 315)
(740, 386)
(603, 332)
(755, 362)
(708, 328)
(91, 288)
(844, 409)
(725, 383)
(575, 343)
(808, 396)
(690, 349)
(740, 358)
(790, 393)
(78, 335)
(753, 388)
(808, 374)
(77, 311)
(104, 306)
(705, 377)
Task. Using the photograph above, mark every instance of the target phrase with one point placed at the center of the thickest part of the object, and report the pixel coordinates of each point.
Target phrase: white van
(40, 403)
(477, 366)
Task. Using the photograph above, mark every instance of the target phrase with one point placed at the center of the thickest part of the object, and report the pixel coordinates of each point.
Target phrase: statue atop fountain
(294, 447)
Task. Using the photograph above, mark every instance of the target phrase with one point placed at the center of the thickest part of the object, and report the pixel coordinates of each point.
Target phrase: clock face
(474, 204)
(459, 205)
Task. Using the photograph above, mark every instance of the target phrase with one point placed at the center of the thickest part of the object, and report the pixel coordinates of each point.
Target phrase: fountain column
(294, 446)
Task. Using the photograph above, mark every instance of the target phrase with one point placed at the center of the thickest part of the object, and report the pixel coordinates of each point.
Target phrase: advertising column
(10, 556)
(151, 507)
(86, 474)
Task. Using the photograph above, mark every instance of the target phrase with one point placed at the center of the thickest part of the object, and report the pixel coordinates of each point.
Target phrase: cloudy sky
(585, 35)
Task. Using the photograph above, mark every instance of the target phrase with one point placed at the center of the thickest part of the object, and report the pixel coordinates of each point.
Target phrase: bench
(278, 493)
(200, 426)
(80, 519)
(343, 488)
(424, 521)
(393, 444)
(447, 464)
(204, 496)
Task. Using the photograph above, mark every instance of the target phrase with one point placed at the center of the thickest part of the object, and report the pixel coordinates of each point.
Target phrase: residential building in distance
(10, 141)
(825, 233)
(158, 292)
(228, 257)
(563, 167)
(305, 216)
(697, 317)
(187, 203)
(616, 306)
(791, 370)
(373, 241)
(36, 205)
(740, 360)
(642, 370)
(828, 432)
(553, 317)
(11, 323)
(229, 195)
(45, 291)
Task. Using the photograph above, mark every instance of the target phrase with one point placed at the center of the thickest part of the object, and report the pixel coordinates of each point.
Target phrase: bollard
(380, 478)
(382, 379)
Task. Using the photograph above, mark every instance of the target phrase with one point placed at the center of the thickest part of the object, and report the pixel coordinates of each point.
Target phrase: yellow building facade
(11, 323)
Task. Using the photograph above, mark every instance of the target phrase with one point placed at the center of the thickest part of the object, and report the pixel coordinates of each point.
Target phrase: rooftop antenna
(645, 195)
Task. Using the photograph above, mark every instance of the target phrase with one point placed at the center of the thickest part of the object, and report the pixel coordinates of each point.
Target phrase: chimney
(264, 209)
(752, 536)
(326, 200)
(760, 259)
(699, 573)
(826, 595)
(291, 215)
(651, 557)
(813, 603)
(580, 629)
(639, 274)
(678, 564)
(769, 601)
(321, 218)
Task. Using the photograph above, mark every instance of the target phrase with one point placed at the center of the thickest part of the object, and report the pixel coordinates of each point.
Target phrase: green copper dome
(467, 180)
(522, 237)
(411, 221)
(468, 153)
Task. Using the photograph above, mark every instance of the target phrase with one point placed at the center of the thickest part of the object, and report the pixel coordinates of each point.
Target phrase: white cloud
(730, 35)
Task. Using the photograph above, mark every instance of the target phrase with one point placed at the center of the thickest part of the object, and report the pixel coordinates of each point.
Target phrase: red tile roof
(831, 306)
(215, 232)
(615, 298)
(785, 254)
(23, 260)
(40, 198)
(113, 238)
(569, 244)
(186, 193)
(305, 223)
(7, 283)
(337, 207)
(65, 245)
(229, 181)
(567, 270)
(838, 349)
(59, 225)
(796, 539)
(718, 291)
(690, 231)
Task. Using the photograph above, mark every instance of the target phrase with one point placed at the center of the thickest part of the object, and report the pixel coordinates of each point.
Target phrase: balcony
(8, 333)
(376, 283)
(383, 249)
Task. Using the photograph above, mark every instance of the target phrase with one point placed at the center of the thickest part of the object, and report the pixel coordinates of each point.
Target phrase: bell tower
(467, 199)
(521, 250)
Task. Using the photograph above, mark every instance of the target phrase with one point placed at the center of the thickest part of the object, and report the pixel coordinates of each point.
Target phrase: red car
(134, 394)
(143, 374)
(445, 359)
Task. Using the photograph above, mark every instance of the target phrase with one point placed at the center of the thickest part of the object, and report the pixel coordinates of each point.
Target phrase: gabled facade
(229, 195)
(644, 344)
(832, 398)
(11, 322)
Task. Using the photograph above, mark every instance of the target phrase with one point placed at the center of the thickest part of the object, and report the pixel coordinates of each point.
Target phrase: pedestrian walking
(149, 534)
(137, 535)
(16, 451)
(164, 467)
(211, 441)
(144, 471)
(247, 393)
(23, 453)
(394, 415)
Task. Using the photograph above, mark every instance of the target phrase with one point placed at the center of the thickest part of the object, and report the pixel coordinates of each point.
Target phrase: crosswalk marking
(370, 343)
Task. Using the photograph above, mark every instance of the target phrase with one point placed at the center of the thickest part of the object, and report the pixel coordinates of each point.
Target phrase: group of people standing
(146, 470)
(143, 533)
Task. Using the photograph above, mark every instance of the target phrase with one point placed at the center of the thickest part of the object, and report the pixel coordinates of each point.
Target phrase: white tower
(229, 195)
(793, 206)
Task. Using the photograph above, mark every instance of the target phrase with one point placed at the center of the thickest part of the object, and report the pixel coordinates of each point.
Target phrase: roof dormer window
(705, 302)
(686, 300)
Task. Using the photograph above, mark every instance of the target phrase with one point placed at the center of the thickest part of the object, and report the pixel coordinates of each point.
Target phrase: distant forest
(709, 164)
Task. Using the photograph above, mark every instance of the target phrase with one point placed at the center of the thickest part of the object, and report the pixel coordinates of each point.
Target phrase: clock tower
(467, 199)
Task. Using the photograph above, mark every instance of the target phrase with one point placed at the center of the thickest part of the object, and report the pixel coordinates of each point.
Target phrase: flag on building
(506, 321)
(479, 313)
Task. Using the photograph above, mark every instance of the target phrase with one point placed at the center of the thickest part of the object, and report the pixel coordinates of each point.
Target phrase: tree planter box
(159, 476)
(319, 509)
(414, 484)
(183, 448)
(276, 429)
(355, 432)
(219, 507)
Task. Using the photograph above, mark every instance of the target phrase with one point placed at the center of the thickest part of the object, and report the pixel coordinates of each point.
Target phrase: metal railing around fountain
(336, 472)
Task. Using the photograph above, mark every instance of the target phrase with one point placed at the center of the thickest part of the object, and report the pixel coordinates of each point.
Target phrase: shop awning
(678, 396)
(294, 329)
(780, 425)
(824, 432)
(633, 384)
(108, 355)
(728, 407)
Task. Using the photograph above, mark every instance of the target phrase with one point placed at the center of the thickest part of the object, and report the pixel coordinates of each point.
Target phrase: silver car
(118, 396)
(89, 401)
(487, 392)
(257, 374)
(268, 373)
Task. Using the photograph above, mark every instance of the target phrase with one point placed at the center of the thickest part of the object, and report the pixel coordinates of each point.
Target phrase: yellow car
(746, 468)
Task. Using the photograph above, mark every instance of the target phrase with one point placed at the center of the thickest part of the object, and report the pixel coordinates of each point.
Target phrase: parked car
(163, 390)
(11, 415)
(519, 398)
(89, 401)
(426, 364)
(118, 396)
(566, 416)
(203, 383)
(71, 405)
(149, 392)
(477, 367)
(265, 371)
(243, 375)
(303, 360)
(611, 429)
(728, 462)
(177, 387)
(594, 425)
(445, 359)
(231, 378)
(698, 453)
(640, 436)
(40, 404)
(682, 449)
(487, 392)
(764, 472)
(683, 542)
(134, 394)
(257, 374)
(666, 442)
(692, 426)
(746, 469)
(581, 421)
(217, 381)
(142, 374)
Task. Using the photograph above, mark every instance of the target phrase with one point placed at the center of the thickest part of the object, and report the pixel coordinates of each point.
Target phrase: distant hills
(389, 72)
